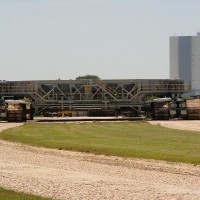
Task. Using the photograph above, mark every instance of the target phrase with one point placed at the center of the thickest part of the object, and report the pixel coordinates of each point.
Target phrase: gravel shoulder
(72, 175)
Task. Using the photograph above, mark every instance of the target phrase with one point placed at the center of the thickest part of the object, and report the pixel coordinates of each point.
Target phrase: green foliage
(127, 139)
(9, 194)
(90, 77)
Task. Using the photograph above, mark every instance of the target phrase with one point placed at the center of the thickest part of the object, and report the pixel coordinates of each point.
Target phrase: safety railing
(16, 89)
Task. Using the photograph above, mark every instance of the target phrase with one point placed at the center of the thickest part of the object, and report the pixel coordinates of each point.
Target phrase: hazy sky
(114, 39)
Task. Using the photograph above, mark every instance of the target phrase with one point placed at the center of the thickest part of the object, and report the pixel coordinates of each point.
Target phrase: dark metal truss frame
(93, 94)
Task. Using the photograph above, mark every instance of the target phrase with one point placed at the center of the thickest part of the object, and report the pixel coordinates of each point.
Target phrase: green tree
(93, 77)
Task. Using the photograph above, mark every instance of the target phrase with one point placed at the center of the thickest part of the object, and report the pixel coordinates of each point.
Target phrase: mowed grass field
(126, 139)
(11, 195)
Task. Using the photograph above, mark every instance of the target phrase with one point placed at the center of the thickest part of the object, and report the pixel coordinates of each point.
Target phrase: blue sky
(114, 39)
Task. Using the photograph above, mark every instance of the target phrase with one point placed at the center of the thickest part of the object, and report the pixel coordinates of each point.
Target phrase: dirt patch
(190, 125)
(71, 175)
(6, 125)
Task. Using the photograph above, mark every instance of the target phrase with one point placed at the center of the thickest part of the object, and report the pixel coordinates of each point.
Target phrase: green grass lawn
(11, 195)
(127, 139)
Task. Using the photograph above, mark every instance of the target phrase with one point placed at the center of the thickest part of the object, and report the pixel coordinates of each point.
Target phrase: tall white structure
(185, 60)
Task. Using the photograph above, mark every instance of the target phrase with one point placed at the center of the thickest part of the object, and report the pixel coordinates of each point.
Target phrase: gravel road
(190, 125)
(71, 175)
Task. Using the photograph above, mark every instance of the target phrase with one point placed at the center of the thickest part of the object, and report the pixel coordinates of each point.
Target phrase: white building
(185, 60)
